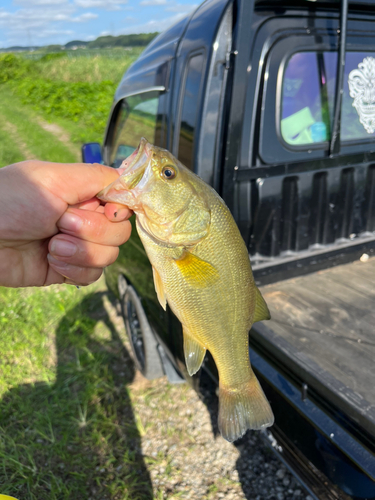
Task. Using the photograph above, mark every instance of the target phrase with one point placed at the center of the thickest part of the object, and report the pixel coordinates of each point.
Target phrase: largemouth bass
(201, 268)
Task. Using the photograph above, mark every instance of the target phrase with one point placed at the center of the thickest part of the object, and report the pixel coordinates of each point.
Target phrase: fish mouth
(133, 169)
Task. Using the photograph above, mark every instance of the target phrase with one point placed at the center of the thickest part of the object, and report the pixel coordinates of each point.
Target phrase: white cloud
(179, 7)
(101, 4)
(84, 17)
(153, 2)
(84, 37)
(48, 33)
(36, 20)
(153, 25)
(33, 19)
(48, 21)
(40, 3)
(26, 26)
(161, 24)
(170, 6)
(60, 17)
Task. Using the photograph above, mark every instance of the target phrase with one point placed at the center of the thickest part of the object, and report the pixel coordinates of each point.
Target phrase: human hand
(52, 228)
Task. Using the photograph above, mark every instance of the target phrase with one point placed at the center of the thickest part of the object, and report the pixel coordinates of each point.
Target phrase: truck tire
(142, 340)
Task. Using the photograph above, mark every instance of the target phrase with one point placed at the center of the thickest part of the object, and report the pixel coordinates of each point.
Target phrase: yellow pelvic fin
(159, 289)
(242, 408)
(261, 309)
(197, 272)
(194, 353)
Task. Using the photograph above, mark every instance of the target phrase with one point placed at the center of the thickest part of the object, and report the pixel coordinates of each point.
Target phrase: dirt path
(52, 128)
(11, 128)
(61, 135)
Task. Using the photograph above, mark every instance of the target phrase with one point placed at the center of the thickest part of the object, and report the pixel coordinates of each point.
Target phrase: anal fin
(159, 287)
(261, 309)
(194, 353)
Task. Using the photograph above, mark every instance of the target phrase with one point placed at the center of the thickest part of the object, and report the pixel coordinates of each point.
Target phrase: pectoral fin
(159, 289)
(261, 309)
(194, 353)
(196, 271)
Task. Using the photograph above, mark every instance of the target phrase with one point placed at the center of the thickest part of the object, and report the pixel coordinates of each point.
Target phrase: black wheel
(142, 340)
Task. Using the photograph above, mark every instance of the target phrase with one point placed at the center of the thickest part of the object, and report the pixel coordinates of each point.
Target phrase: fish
(201, 269)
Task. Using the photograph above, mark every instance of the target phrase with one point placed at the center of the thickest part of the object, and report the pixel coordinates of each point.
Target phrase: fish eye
(168, 172)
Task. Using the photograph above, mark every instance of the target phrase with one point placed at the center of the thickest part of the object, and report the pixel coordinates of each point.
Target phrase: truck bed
(324, 324)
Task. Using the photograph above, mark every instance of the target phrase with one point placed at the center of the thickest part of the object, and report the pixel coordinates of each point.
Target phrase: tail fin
(243, 408)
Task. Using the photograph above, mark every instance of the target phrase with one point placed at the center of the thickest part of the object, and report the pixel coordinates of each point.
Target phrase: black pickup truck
(273, 104)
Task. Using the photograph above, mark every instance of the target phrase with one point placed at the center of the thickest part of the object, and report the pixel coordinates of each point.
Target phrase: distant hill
(75, 43)
(139, 40)
(102, 42)
(17, 48)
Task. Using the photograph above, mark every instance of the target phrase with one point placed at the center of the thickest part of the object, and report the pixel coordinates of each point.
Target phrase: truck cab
(273, 104)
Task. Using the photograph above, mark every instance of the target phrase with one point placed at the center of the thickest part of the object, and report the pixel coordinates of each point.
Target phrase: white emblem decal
(362, 89)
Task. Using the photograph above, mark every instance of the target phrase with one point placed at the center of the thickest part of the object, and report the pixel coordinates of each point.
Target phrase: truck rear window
(308, 93)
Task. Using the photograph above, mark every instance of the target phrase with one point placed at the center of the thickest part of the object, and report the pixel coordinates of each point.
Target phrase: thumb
(76, 182)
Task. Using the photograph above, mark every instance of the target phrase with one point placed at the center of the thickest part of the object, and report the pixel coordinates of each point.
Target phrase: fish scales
(202, 316)
(202, 270)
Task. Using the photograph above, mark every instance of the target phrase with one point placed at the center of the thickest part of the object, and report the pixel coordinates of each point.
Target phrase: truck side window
(308, 94)
(189, 110)
(136, 118)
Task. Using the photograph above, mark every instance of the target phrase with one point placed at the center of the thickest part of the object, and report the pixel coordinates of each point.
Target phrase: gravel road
(185, 455)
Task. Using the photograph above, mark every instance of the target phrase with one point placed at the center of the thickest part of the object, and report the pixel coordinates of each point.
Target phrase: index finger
(113, 211)
(117, 213)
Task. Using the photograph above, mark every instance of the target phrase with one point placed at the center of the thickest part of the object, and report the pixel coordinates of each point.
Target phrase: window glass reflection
(189, 110)
(137, 118)
(308, 94)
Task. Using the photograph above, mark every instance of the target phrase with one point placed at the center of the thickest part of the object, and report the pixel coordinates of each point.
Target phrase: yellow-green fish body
(202, 270)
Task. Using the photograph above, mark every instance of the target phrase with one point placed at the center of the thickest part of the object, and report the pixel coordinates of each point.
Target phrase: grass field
(67, 429)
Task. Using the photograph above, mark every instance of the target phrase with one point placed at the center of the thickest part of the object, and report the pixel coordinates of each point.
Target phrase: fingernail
(63, 248)
(123, 213)
(56, 263)
(70, 222)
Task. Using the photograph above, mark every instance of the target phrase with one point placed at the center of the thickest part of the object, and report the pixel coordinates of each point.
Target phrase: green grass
(87, 66)
(24, 122)
(9, 153)
(67, 428)
(87, 104)
(77, 90)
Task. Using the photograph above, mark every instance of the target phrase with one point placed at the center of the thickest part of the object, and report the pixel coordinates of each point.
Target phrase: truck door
(198, 89)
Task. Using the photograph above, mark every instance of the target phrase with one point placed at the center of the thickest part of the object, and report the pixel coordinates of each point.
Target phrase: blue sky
(44, 22)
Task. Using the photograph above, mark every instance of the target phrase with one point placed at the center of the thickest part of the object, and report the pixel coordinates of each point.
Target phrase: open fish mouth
(134, 158)
(133, 169)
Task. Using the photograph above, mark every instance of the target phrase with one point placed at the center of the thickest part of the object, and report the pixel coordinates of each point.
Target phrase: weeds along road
(77, 421)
